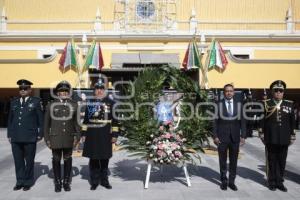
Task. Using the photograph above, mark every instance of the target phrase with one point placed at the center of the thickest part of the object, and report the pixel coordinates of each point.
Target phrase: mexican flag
(192, 58)
(216, 56)
(94, 59)
(68, 58)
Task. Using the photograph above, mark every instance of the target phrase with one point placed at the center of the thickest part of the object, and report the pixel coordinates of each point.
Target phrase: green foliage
(148, 87)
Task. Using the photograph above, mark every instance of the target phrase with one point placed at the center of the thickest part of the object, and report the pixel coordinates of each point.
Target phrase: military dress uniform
(61, 129)
(277, 132)
(251, 121)
(99, 128)
(25, 127)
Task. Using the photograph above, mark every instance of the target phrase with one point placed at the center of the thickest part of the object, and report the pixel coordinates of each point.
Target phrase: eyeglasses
(278, 90)
(25, 88)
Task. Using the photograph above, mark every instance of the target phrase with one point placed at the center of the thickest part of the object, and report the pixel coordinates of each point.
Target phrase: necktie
(229, 109)
(23, 101)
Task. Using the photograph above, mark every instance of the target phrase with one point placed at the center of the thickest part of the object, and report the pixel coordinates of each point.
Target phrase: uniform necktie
(229, 108)
(23, 102)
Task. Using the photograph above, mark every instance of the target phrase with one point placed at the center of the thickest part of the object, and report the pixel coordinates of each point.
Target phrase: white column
(202, 42)
(193, 22)
(289, 21)
(3, 21)
(97, 24)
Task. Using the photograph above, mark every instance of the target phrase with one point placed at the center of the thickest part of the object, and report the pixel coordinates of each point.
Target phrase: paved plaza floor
(128, 175)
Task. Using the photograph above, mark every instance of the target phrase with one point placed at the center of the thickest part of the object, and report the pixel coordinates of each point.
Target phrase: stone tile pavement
(128, 175)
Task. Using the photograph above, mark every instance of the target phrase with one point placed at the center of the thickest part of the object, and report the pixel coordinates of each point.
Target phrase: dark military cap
(24, 82)
(100, 84)
(63, 86)
(279, 84)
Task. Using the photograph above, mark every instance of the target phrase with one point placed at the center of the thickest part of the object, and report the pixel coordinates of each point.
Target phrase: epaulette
(290, 101)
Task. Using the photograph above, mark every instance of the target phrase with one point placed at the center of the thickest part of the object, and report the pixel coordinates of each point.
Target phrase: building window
(145, 9)
(46, 56)
(242, 56)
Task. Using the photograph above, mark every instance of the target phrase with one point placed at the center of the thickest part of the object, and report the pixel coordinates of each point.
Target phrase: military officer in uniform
(99, 131)
(61, 133)
(25, 128)
(277, 133)
(251, 105)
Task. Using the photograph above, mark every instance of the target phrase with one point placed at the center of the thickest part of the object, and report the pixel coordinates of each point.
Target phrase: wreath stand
(149, 167)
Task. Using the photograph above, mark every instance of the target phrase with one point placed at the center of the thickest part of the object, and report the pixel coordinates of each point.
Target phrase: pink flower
(168, 122)
(160, 146)
(178, 154)
(174, 146)
(168, 135)
(159, 153)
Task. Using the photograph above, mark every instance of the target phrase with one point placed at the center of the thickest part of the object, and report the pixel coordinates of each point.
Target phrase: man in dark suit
(61, 133)
(25, 126)
(277, 132)
(229, 132)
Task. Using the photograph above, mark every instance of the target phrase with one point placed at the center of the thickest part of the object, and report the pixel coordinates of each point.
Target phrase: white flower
(151, 155)
(155, 159)
(151, 135)
(161, 161)
(148, 142)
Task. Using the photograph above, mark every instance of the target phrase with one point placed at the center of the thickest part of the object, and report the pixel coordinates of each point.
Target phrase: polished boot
(223, 185)
(67, 174)
(232, 186)
(281, 187)
(104, 179)
(57, 175)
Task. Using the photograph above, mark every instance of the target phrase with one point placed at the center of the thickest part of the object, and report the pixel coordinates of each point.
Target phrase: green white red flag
(68, 58)
(94, 59)
(216, 56)
(192, 58)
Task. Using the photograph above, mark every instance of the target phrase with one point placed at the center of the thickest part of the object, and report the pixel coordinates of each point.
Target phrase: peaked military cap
(100, 84)
(63, 86)
(24, 82)
(279, 84)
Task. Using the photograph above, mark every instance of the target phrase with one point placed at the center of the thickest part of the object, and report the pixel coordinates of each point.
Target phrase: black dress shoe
(223, 186)
(232, 186)
(17, 187)
(67, 187)
(93, 187)
(106, 185)
(26, 188)
(272, 188)
(282, 188)
(57, 188)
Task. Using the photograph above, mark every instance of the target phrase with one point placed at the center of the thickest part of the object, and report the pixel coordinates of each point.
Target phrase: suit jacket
(278, 125)
(226, 128)
(25, 124)
(61, 125)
